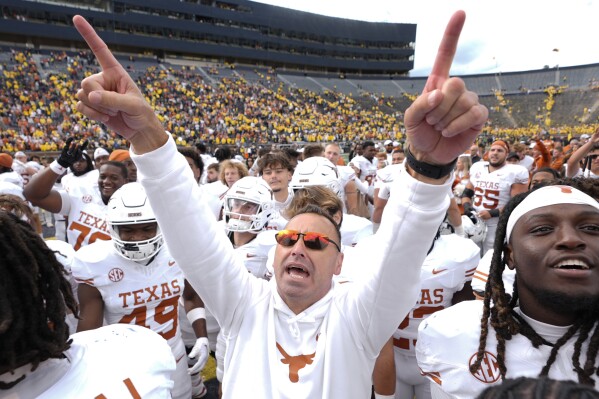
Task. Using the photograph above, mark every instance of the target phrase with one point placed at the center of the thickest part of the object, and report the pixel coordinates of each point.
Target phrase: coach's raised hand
(113, 98)
(446, 118)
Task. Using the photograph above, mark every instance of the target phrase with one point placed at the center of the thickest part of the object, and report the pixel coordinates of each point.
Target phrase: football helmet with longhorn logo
(129, 206)
(316, 171)
(249, 205)
(474, 227)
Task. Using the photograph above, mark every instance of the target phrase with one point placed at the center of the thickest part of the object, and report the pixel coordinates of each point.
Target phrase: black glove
(468, 208)
(71, 153)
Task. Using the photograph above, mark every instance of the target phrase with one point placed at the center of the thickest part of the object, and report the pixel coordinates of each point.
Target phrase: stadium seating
(247, 106)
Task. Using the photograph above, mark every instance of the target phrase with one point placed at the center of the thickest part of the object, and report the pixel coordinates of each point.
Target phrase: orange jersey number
(84, 232)
(418, 313)
(489, 199)
(165, 312)
(130, 387)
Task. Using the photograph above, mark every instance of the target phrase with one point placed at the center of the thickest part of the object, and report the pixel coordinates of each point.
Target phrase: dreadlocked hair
(538, 388)
(507, 323)
(34, 297)
(587, 185)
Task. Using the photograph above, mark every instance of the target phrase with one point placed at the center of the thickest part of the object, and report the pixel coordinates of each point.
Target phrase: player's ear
(508, 255)
(338, 263)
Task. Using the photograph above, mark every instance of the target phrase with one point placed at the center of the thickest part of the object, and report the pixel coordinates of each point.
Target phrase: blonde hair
(224, 165)
(467, 162)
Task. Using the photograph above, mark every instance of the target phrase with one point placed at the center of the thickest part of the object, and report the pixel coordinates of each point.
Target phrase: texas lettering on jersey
(149, 294)
(492, 190)
(145, 295)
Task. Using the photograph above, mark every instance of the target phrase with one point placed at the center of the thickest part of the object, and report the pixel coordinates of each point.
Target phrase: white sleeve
(196, 241)
(377, 305)
(481, 275)
(361, 185)
(66, 202)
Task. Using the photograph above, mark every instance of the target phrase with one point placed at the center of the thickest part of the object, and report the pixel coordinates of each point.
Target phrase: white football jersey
(586, 173)
(354, 228)
(346, 174)
(89, 179)
(214, 194)
(481, 275)
(445, 270)
(86, 214)
(367, 169)
(384, 179)
(492, 190)
(133, 293)
(254, 254)
(448, 343)
(65, 254)
(277, 220)
(115, 361)
(527, 163)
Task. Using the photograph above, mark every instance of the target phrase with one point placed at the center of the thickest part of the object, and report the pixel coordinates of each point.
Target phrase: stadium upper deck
(235, 31)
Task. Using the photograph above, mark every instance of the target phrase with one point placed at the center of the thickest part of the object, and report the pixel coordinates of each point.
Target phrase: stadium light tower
(556, 52)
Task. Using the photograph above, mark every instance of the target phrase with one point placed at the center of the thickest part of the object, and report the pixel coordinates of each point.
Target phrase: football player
(249, 206)
(276, 170)
(347, 175)
(133, 279)
(319, 171)
(85, 204)
(444, 280)
(40, 359)
(548, 327)
(492, 184)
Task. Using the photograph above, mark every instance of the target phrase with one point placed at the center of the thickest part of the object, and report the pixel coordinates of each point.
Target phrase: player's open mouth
(297, 272)
(572, 264)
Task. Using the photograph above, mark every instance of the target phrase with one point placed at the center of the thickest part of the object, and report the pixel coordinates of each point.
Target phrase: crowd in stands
(37, 112)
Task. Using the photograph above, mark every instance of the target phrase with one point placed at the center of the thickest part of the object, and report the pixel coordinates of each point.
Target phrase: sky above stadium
(499, 36)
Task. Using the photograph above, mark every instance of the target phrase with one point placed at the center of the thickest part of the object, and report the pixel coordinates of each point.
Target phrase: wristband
(467, 208)
(427, 169)
(196, 314)
(468, 193)
(57, 168)
(494, 213)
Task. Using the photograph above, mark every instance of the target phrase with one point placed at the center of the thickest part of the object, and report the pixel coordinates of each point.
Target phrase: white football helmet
(129, 205)
(316, 171)
(474, 227)
(249, 205)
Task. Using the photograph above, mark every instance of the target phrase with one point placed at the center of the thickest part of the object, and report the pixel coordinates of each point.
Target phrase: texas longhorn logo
(296, 363)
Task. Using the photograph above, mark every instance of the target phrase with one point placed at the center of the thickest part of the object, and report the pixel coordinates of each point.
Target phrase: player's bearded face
(497, 156)
(555, 250)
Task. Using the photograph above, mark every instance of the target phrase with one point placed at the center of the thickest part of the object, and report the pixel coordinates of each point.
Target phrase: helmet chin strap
(144, 262)
(239, 225)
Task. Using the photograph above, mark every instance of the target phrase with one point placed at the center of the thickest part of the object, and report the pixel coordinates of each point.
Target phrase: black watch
(428, 170)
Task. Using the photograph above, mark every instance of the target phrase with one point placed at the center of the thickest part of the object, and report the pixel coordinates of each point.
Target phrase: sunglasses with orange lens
(312, 240)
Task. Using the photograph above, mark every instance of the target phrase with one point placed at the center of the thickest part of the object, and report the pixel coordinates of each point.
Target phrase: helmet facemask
(248, 205)
(474, 227)
(129, 206)
(136, 250)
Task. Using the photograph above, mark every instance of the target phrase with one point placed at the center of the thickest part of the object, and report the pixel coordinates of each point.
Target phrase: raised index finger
(95, 43)
(446, 52)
